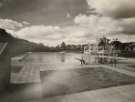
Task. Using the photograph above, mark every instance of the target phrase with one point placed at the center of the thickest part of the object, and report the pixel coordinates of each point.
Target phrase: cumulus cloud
(98, 26)
(114, 8)
(10, 24)
(48, 35)
(101, 21)
(25, 23)
(128, 26)
(41, 34)
(87, 29)
(33, 31)
(53, 35)
(112, 18)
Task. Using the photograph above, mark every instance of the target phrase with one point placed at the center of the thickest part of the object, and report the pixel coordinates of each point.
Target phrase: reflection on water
(55, 59)
(63, 59)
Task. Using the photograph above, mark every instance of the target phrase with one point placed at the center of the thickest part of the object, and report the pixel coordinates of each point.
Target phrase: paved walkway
(124, 93)
(28, 74)
(115, 94)
(31, 72)
(123, 71)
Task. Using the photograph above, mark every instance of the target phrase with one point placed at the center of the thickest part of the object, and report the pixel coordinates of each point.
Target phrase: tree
(63, 45)
(103, 43)
(116, 44)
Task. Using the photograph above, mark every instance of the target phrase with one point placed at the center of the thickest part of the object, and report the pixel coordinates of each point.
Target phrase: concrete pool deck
(123, 71)
(33, 64)
(124, 93)
(28, 74)
(31, 72)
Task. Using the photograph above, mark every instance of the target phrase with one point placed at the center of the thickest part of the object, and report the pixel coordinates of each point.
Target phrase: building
(4, 66)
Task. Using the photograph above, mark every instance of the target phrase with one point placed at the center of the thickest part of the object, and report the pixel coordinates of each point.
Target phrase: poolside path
(115, 94)
(124, 93)
(27, 74)
(123, 71)
(31, 72)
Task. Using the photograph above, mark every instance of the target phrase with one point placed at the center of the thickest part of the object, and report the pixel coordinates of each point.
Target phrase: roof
(2, 47)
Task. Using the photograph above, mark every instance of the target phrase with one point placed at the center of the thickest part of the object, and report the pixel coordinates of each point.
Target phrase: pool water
(52, 60)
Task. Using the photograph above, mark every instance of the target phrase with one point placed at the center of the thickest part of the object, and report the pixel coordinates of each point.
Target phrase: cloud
(98, 26)
(48, 12)
(101, 21)
(38, 31)
(68, 15)
(25, 23)
(86, 29)
(128, 26)
(41, 34)
(53, 35)
(114, 8)
(112, 18)
(10, 24)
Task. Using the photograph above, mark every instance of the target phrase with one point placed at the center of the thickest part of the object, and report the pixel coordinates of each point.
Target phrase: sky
(74, 21)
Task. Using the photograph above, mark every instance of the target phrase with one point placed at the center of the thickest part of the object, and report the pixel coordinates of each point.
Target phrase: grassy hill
(18, 46)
